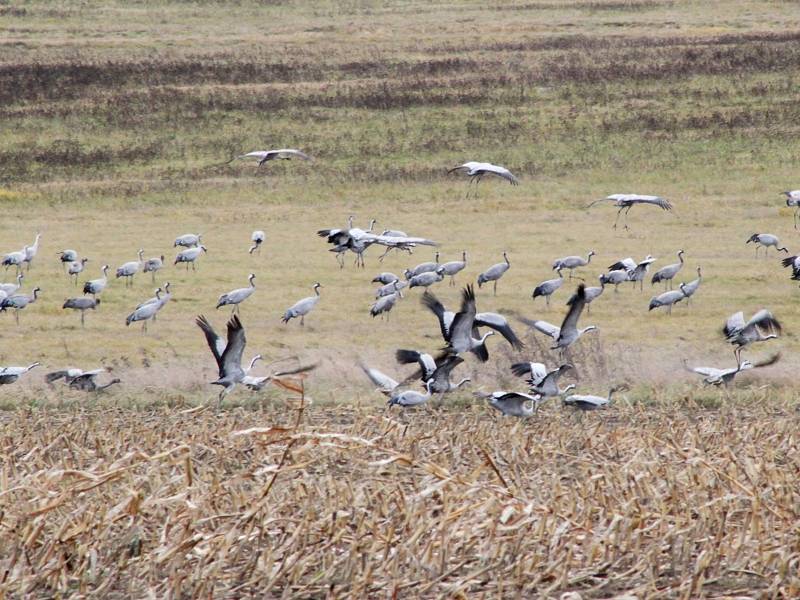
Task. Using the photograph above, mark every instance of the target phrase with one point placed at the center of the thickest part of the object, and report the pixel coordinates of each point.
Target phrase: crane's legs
(619, 212)
(495, 287)
(16, 316)
(302, 320)
(83, 315)
(795, 216)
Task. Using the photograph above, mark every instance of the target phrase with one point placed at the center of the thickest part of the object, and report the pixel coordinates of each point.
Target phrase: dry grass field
(117, 121)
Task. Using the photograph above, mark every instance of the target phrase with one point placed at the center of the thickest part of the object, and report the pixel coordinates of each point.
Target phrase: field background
(118, 119)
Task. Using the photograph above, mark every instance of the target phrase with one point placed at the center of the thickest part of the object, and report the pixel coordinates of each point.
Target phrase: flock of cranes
(465, 331)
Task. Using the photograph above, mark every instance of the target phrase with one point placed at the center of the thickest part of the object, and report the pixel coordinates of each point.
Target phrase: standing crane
(793, 199)
(302, 307)
(188, 240)
(19, 302)
(32, 250)
(452, 268)
(96, 286)
(76, 269)
(82, 304)
(257, 238)
(548, 288)
(190, 255)
(667, 274)
(152, 265)
(572, 263)
(129, 269)
(494, 273)
(236, 297)
(766, 240)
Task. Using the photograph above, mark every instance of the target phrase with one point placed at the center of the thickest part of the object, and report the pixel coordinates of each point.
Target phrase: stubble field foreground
(116, 123)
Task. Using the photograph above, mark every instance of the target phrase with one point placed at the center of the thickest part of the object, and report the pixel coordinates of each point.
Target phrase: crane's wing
(606, 199)
(734, 324)
(385, 383)
(214, 341)
(426, 362)
(654, 200)
(286, 152)
(432, 303)
(575, 309)
(231, 359)
(533, 370)
(88, 375)
(764, 321)
(463, 167)
(626, 264)
(54, 376)
(295, 371)
(502, 172)
(463, 322)
(500, 324)
(542, 326)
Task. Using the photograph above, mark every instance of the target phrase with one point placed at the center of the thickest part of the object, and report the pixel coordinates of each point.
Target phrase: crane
(625, 202)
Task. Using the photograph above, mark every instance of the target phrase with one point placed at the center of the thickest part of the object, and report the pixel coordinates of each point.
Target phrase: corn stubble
(364, 502)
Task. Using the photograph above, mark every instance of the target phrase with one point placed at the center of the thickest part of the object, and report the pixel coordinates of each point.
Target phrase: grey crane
(385, 304)
(15, 259)
(667, 274)
(548, 386)
(760, 328)
(568, 333)
(793, 199)
(385, 278)
(491, 320)
(154, 300)
(257, 238)
(265, 156)
(129, 269)
(636, 271)
(571, 263)
(152, 265)
(431, 370)
(352, 238)
(386, 385)
(592, 293)
(426, 279)
(690, 288)
(257, 383)
(412, 397)
(66, 257)
(512, 404)
(667, 299)
(494, 273)
(426, 267)
(477, 170)
(228, 356)
(10, 288)
(452, 268)
(236, 297)
(766, 240)
(188, 240)
(302, 307)
(714, 376)
(82, 304)
(85, 381)
(585, 402)
(461, 332)
(189, 256)
(32, 250)
(96, 286)
(548, 288)
(614, 278)
(76, 269)
(625, 202)
(144, 312)
(18, 302)
(390, 288)
(10, 375)
(535, 372)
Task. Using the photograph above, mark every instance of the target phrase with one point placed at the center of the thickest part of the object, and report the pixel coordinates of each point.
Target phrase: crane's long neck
(462, 382)
(100, 388)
